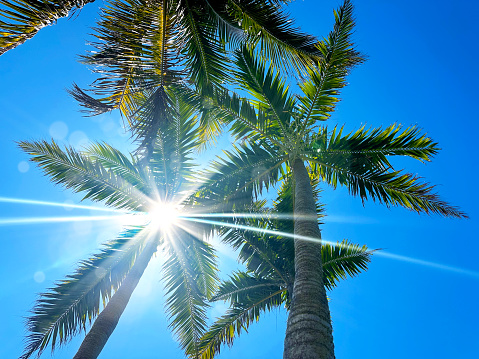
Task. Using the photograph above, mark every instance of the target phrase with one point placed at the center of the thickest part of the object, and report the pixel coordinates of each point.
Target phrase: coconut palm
(155, 46)
(201, 26)
(144, 186)
(269, 277)
(284, 136)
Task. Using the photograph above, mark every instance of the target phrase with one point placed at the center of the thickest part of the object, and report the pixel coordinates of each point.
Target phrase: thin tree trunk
(309, 331)
(107, 321)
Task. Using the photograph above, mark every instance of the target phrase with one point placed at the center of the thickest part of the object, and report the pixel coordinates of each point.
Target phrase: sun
(164, 216)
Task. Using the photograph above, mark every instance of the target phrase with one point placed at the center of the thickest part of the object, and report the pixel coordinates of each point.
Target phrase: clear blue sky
(422, 69)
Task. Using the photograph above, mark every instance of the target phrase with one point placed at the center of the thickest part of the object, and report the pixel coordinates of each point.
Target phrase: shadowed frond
(74, 302)
(205, 58)
(241, 286)
(270, 91)
(266, 23)
(134, 52)
(189, 271)
(154, 112)
(262, 254)
(171, 161)
(77, 171)
(20, 20)
(239, 317)
(235, 181)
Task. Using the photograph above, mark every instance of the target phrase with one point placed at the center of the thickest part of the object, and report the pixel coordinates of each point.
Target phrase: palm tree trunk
(106, 322)
(309, 331)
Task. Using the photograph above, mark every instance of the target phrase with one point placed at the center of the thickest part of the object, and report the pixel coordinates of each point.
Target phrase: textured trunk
(309, 332)
(106, 322)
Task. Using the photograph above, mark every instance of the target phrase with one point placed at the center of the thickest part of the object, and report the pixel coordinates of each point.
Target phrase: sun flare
(164, 216)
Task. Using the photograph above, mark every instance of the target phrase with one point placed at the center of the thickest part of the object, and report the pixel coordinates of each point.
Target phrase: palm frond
(239, 317)
(74, 302)
(114, 160)
(171, 161)
(323, 81)
(386, 186)
(244, 119)
(134, 53)
(235, 181)
(262, 254)
(154, 111)
(241, 286)
(371, 146)
(205, 55)
(269, 90)
(343, 259)
(77, 171)
(20, 20)
(266, 23)
(185, 280)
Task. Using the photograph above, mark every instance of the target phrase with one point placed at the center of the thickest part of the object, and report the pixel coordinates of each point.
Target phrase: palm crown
(280, 128)
(105, 174)
(146, 47)
(282, 132)
(269, 259)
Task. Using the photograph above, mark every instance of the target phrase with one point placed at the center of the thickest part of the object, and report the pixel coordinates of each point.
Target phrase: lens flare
(56, 204)
(164, 216)
(39, 220)
(376, 252)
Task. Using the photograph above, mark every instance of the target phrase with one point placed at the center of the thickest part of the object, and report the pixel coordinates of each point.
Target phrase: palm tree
(162, 182)
(156, 46)
(269, 277)
(281, 133)
(201, 26)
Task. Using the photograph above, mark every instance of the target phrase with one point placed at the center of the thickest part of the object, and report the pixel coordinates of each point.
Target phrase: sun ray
(57, 204)
(376, 252)
(39, 220)
(428, 264)
(246, 215)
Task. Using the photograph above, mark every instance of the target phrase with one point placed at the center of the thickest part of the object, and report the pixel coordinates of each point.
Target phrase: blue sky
(421, 70)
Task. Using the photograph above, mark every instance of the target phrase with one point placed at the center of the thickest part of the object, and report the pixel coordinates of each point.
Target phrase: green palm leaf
(323, 82)
(74, 302)
(205, 58)
(171, 160)
(239, 317)
(267, 24)
(77, 171)
(251, 294)
(386, 186)
(234, 182)
(343, 259)
(113, 160)
(371, 146)
(268, 88)
(185, 279)
(20, 20)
